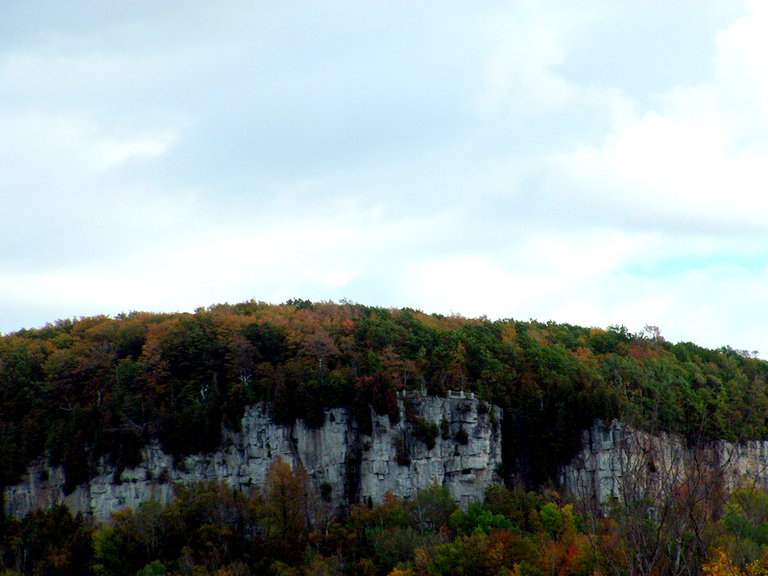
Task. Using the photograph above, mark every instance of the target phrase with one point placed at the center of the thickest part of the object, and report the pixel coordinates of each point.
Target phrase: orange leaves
(347, 327)
(286, 500)
(721, 565)
(641, 351)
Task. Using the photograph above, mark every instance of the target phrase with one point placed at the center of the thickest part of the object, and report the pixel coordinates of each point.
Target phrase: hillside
(85, 388)
(98, 395)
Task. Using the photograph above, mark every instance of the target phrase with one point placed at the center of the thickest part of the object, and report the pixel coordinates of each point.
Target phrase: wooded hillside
(85, 388)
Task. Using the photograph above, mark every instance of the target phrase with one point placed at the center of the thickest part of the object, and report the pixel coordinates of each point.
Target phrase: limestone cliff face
(353, 465)
(618, 462)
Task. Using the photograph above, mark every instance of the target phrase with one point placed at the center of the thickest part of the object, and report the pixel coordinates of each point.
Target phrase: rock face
(619, 462)
(394, 458)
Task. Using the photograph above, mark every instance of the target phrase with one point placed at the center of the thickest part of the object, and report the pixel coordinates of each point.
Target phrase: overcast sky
(595, 162)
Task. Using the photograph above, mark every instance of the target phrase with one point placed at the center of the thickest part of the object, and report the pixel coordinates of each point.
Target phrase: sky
(599, 162)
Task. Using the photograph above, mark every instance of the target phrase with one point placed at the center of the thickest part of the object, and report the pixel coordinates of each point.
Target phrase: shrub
(401, 452)
(461, 436)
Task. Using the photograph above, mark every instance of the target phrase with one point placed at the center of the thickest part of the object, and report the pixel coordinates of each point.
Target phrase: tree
(286, 502)
(663, 505)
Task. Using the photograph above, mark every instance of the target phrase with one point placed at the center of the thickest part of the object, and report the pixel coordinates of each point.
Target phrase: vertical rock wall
(465, 469)
(351, 464)
(618, 462)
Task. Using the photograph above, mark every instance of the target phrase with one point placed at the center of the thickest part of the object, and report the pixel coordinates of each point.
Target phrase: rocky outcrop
(619, 462)
(393, 458)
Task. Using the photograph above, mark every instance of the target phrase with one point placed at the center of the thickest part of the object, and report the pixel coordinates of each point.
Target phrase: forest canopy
(82, 389)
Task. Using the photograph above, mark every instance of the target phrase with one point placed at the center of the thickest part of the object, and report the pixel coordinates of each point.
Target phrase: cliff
(620, 462)
(338, 457)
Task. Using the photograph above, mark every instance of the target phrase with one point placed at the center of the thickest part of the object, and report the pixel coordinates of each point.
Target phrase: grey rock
(617, 461)
(323, 452)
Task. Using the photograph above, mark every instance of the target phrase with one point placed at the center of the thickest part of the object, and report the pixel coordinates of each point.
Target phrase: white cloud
(518, 76)
(45, 152)
(686, 164)
(741, 71)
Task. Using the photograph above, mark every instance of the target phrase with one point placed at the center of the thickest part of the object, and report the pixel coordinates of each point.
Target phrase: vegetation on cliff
(86, 388)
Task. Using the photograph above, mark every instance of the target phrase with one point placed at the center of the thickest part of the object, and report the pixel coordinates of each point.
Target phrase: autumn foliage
(87, 388)
(84, 389)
